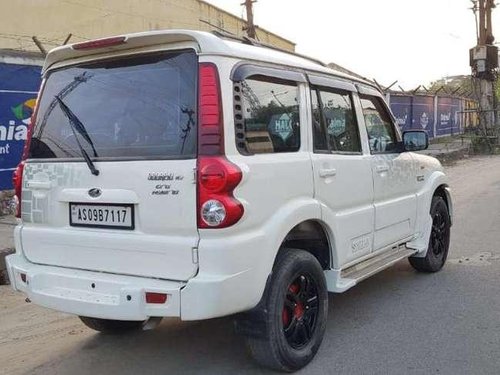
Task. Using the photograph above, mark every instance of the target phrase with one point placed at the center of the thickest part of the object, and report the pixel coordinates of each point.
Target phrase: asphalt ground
(397, 322)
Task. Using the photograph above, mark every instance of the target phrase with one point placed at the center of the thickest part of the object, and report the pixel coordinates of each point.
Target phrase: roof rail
(258, 43)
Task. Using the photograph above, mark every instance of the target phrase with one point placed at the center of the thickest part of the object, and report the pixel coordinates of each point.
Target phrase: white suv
(184, 174)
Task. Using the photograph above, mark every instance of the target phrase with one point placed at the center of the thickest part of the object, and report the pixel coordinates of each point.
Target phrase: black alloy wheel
(291, 319)
(439, 234)
(300, 311)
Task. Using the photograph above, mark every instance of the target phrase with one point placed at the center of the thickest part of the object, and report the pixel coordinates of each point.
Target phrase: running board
(339, 281)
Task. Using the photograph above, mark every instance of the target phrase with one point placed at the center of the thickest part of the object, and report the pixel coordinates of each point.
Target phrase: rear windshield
(132, 107)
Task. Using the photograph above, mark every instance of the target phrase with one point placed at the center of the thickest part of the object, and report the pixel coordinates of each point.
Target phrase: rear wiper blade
(77, 126)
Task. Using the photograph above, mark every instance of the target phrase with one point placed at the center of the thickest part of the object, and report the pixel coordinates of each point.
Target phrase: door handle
(39, 185)
(382, 168)
(323, 173)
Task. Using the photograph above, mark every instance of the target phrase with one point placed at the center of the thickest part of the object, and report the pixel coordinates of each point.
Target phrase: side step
(340, 280)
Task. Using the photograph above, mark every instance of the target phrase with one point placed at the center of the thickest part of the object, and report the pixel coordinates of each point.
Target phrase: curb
(450, 156)
(453, 156)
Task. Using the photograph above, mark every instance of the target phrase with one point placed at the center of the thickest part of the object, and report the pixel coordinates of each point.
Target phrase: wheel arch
(312, 236)
(444, 192)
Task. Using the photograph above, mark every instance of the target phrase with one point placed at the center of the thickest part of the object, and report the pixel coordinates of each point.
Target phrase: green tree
(456, 84)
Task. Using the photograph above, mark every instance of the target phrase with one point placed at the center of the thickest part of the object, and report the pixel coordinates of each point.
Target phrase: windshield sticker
(281, 125)
(336, 126)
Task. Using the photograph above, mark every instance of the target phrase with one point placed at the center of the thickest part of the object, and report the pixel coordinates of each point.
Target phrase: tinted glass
(341, 128)
(142, 106)
(381, 132)
(319, 133)
(271, 116)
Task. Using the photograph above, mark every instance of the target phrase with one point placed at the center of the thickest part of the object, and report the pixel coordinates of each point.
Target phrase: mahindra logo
(95, 192)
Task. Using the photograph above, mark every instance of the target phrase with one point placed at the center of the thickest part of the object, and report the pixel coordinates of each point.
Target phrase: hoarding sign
(18, 89)
(423, 114)
(447, 121)
(401, 108)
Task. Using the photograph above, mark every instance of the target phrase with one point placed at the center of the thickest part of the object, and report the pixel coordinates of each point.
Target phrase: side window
(319, 133)
(335, 125)
(381, 133)
(267, 120)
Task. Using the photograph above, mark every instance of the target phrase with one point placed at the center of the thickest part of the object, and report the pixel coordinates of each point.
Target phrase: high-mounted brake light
(217, 176)
(100, 43)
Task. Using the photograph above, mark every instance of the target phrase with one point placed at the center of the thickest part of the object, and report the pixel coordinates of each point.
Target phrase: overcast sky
(412, 41)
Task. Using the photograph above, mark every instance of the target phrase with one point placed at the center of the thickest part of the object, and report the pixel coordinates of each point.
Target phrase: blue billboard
(423, 114)
(19, 85)
(401, 107)
(414, 112)
(447, 119)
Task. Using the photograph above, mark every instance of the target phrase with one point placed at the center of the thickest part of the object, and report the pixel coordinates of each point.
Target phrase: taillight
(217, 179)
(100, 43)
(217, 176)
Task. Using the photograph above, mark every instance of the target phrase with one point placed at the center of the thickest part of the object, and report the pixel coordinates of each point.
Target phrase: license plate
(117, 216)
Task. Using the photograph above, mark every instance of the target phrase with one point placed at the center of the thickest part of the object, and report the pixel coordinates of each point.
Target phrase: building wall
(52, 20)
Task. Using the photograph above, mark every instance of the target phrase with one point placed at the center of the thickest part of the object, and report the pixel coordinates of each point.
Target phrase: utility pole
(250, 28)
(484, 64)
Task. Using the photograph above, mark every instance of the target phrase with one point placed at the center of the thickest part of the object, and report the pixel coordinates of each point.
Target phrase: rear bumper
(121, 297)
(92, 294)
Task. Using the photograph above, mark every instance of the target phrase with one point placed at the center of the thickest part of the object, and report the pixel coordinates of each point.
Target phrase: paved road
(398, 322)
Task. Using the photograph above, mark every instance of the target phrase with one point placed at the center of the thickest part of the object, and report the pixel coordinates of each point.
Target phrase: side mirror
(415, 140)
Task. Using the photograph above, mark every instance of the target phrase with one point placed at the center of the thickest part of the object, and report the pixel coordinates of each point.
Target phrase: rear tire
(112, 326)
(293, 313)
(439, 240)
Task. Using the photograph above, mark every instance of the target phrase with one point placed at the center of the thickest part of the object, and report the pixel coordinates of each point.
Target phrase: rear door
(135, 117)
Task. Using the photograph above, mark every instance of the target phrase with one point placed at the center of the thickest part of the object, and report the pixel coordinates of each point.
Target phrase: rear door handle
(330, 172)
(39, 185)
(382, 168)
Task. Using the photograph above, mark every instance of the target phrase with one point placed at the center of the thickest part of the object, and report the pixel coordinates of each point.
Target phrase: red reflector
(156, 297)
(23, 277)
(100, 43)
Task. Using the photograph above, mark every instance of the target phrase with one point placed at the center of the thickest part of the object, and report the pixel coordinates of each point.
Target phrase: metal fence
(439, 116)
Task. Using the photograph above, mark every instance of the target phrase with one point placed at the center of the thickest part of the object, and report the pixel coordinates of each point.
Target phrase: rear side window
(133, 107)
(267, 116)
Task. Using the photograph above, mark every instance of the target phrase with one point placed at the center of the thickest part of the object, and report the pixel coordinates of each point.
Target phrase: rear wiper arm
(77, 126)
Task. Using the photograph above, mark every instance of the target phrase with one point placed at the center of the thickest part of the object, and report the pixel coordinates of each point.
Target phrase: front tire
(295, 309)
(112, 326)
(439, 240)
